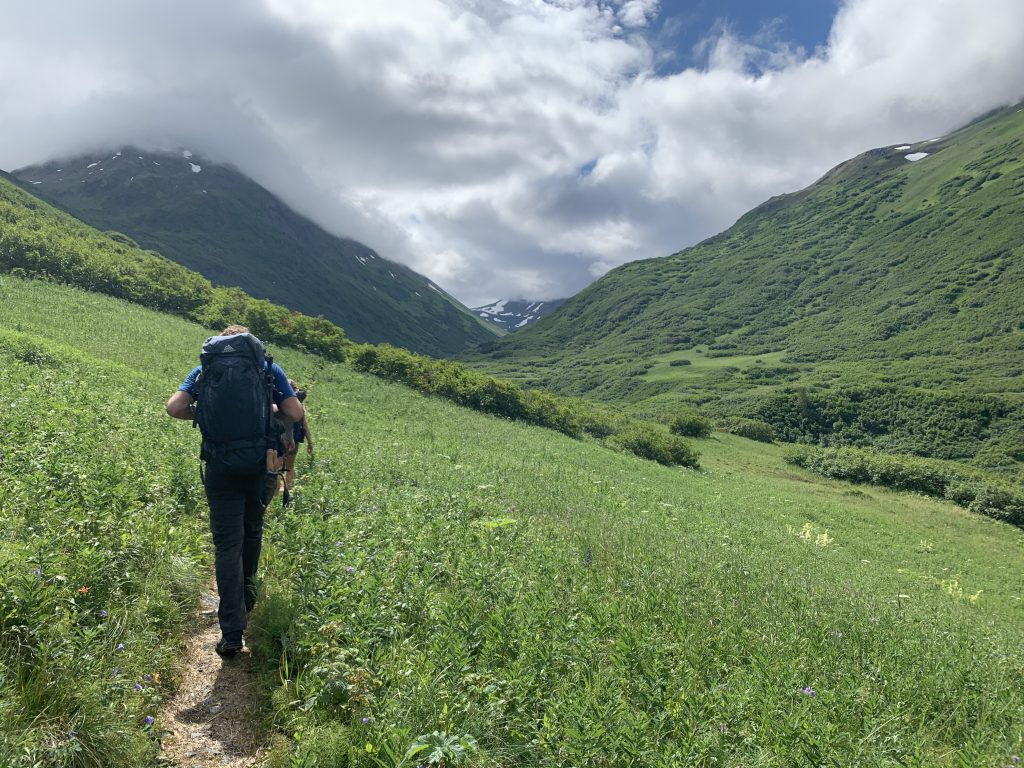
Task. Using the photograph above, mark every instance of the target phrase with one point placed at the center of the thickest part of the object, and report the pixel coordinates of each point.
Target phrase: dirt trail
(212, 719)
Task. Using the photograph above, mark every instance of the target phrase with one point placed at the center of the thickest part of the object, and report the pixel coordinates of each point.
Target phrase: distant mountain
(514, 314)
(895, 281)
(213, 219)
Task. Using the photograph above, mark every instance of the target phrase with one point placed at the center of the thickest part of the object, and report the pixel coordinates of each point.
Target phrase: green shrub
(690, 424)
(752, 429)
(676, 363)
(651, 442)
(962, 485)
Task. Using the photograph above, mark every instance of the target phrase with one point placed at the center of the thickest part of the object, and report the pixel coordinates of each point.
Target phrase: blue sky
(682, 24)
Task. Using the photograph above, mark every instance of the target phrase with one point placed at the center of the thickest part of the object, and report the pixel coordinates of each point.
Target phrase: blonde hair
(234, 330)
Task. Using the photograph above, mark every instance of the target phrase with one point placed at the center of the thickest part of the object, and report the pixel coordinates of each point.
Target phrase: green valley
(883, 305)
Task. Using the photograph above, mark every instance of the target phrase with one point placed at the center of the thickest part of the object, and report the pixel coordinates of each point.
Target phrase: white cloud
(515, 147)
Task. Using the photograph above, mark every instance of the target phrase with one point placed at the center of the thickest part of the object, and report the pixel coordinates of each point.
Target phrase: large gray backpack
(235, 396)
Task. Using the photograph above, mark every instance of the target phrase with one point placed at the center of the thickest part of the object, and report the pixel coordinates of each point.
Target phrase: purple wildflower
(366, 721)
(103, 614)
(73, 735)
(809, 691)
(1016, 759)
(351, 569)
(115, 672)
(120, 646)
(138, 687)
(149, 678)
(37, 572)
(148, 720)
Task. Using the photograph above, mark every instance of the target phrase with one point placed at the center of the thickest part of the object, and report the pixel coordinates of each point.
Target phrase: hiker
(233, 397)
(300, 434)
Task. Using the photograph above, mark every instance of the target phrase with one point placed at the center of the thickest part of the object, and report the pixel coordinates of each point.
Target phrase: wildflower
(351, 569)
(138, 687)
(808, 691)
(149, 678)
(115, 672)
(120, 646)
(83, 590)
(72, 734)
(37, 572)
(103, 614)
(366, 721)
(148, 720)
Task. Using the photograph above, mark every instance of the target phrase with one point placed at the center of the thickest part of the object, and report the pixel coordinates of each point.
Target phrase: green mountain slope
(216, 221)
(444, 574)
(890, 275)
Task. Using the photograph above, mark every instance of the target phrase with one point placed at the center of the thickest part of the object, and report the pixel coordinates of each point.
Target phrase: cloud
(502, 148)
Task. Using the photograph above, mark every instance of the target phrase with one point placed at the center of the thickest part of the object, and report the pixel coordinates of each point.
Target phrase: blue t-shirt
(282, 389)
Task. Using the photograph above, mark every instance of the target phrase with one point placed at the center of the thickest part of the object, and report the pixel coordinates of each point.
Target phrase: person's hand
(309, 448)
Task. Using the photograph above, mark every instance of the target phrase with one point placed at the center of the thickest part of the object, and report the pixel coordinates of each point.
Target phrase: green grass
(444, 571)
(701, 365)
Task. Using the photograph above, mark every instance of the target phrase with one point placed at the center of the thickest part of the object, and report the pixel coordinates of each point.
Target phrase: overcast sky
(506, 148)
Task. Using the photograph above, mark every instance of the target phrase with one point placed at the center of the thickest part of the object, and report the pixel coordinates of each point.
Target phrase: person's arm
(180, 405)
(309, 436)
(290, 409)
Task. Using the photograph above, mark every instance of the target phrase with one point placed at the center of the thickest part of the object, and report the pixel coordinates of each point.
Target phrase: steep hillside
(516, 314)
(216, 221)
(900, 271)
(471, 583)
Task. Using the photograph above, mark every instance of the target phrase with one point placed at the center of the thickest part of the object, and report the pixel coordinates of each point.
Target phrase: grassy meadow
(453, 588)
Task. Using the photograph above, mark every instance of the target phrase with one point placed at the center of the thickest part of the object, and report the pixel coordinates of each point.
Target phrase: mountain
(213, 219)
(515, 314)
(895, 281)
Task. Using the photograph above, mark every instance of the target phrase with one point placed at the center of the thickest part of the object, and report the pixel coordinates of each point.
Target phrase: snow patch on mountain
(513, 314)
(915, 156)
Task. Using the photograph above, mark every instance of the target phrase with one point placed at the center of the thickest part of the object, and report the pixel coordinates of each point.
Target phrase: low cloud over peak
(520, 147)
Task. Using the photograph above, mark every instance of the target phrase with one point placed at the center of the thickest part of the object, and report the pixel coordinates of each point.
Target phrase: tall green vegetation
(101, 556)
(452, 584)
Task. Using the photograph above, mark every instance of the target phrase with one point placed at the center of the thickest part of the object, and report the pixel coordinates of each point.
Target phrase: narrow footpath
(212, 719)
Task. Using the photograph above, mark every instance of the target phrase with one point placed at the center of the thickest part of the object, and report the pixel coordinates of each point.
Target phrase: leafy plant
(441, 749)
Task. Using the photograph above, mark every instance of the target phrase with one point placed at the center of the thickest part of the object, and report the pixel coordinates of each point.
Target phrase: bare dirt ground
(212, 719)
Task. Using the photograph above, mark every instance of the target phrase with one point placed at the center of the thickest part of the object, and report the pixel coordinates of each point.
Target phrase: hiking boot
(229, 646)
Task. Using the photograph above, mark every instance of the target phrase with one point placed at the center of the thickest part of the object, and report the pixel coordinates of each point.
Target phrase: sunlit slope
(215, 220)
(887, 271)
(562, 604)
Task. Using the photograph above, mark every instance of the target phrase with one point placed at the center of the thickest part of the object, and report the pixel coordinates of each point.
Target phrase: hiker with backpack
(234, 397)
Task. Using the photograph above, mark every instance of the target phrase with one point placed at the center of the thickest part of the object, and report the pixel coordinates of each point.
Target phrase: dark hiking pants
(236, 522)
